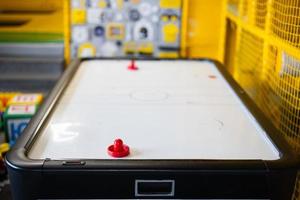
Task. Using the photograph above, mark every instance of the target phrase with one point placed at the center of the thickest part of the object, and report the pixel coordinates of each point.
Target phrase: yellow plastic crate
(249, 57)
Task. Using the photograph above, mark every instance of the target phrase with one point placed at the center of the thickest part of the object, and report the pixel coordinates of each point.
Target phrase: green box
(16, 118)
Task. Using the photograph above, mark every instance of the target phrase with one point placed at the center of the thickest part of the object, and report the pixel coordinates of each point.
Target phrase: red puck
(118, 149)
(132, 66)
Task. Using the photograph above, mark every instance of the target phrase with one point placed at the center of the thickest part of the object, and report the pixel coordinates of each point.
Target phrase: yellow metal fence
(263, 54)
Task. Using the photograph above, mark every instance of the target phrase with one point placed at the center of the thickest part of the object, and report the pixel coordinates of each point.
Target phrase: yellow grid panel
(260, 13)
(244, 10)
(268, 101)
(254, 12)
(285, 20)
(280, 93)
(249, 62)
(267, 44)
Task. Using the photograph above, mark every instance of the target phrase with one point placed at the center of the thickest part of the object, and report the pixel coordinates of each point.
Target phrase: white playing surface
(165, 110)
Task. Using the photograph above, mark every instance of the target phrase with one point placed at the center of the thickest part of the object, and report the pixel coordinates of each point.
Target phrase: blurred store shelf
(30, 67)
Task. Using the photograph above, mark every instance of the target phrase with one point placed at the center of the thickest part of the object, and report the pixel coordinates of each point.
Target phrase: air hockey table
(167, 129)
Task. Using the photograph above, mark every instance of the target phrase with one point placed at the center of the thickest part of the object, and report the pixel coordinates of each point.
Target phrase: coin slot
(154, 187)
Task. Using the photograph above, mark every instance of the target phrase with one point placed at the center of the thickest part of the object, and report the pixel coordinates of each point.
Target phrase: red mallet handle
(132, 65)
